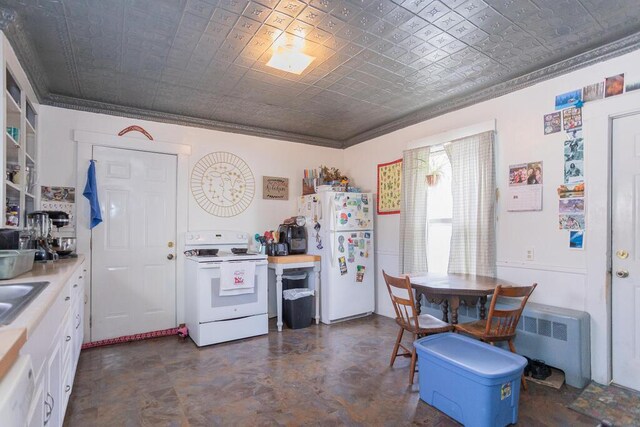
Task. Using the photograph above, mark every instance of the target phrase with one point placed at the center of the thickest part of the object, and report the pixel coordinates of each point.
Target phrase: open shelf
(11, 186)
(12, 105)
(30, 143)
(30, 127)
(30, 179)
(29, 206)
(12, 156)
(20, 153)
(12, 142)
(31, 118)
(13, 89)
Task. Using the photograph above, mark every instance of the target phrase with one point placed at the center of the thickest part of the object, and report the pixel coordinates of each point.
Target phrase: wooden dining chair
(407, 318)
(500, 324)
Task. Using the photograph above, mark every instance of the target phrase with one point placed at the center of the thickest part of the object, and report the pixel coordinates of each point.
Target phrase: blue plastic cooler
(473, 382)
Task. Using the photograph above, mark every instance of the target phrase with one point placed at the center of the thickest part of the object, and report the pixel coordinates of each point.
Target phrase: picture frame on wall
(275, 188)
(389, 187)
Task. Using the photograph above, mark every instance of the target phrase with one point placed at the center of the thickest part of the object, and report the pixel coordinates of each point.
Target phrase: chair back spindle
(502, 322)
(407, 318)
(403, 300)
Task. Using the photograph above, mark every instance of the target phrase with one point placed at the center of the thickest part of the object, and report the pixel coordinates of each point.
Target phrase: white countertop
(57, 274)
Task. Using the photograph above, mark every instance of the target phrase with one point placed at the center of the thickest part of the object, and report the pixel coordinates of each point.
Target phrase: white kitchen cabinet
(36, 413)
(55, 348)
(53, 384)
(20, 141)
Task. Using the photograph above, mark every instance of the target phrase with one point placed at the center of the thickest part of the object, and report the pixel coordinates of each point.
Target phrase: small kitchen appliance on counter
(49, 244)
(225, 287)
(294, 233)
(60, 241)
(277, 249)
(39, 234)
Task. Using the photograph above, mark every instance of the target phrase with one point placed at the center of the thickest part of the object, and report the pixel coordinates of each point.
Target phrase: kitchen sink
(16, 297)
(4, 308)
(14, 291)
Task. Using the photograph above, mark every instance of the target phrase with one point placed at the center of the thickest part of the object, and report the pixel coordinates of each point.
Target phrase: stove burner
(239, 251)
(201, 252)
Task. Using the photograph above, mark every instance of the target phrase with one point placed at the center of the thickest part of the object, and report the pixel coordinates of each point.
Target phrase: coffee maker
(38, 237)
(61, 241)
(294, 233)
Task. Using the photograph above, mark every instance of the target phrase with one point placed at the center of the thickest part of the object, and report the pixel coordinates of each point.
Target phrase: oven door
(214, 307)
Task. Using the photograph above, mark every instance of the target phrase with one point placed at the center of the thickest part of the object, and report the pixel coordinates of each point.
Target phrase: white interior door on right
(626, 251)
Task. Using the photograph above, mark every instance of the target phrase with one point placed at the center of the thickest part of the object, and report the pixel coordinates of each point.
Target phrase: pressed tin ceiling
(380, 65)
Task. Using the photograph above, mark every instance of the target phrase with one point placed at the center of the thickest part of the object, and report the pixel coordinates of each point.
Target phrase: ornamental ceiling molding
(11, 24)
(71, 103)
(611, 50)
(7, 16)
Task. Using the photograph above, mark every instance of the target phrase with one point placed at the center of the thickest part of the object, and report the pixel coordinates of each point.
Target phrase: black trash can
(294, 280)
(297, 308)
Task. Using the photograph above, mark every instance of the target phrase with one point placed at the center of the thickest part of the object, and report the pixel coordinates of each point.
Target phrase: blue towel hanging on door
(91, 193)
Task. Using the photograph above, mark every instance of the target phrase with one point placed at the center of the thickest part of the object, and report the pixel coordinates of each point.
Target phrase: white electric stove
(213, 314)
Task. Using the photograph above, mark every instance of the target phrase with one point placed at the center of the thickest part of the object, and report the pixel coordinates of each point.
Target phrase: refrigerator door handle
(333, 246)
(332, 216)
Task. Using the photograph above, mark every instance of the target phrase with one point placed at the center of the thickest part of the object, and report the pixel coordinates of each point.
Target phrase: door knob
(622, 274)
(170, 256)
(622, 254)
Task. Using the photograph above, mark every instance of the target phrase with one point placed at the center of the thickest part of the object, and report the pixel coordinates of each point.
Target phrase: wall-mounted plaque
(222, 184)
(275, 188)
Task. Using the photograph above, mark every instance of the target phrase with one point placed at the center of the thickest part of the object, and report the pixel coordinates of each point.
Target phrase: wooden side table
(281, 263)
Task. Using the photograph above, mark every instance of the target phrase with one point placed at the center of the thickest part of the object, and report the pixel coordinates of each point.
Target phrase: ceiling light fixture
(288, 58)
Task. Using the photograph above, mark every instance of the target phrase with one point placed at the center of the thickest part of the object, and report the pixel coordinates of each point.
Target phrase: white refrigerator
(340, 230)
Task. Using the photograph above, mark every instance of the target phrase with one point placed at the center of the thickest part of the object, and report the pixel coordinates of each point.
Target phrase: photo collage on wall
(568, 117)
(571, 202)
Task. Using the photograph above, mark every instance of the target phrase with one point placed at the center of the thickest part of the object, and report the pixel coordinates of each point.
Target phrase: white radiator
(559, 336)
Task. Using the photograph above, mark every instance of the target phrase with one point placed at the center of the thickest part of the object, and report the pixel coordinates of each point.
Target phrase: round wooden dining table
(449, 290)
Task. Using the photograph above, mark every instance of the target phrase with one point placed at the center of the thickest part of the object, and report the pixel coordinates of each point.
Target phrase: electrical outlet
(529, 254)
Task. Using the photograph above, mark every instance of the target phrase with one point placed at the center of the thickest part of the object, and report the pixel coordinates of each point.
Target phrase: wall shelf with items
(20, 146)
(31, 140)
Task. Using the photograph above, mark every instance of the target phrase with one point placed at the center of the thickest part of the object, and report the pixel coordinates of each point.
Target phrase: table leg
(483, 307)
(454, 301)
(279, 298)
(316, 272)
(444, 306)
(418, 302)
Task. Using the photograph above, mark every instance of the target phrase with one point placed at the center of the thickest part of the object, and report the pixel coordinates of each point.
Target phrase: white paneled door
(626, 251)
(133, 249)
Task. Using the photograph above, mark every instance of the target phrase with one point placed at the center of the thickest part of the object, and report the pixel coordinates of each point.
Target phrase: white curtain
(473, 231)
(413, 211)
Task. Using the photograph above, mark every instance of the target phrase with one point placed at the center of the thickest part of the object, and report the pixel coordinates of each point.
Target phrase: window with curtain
(413, 211)
(439, 212)
(449, 226)
(473, 189)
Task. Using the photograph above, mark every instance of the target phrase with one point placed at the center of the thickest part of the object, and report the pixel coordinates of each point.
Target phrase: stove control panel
(217, 238)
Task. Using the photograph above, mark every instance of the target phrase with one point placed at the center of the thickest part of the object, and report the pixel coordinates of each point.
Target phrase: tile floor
(321, 375)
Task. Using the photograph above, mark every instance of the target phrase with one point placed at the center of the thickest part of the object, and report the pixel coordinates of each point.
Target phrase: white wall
(566, 278)
(265, 157)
